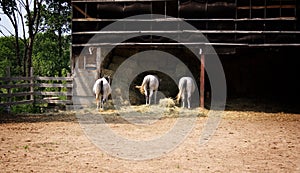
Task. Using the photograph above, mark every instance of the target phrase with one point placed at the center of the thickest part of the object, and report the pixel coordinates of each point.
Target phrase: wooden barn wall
(267, 71)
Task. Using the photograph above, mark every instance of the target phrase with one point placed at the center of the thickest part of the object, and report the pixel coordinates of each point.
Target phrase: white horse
(151, 83)
(186, 86)
(102, 90)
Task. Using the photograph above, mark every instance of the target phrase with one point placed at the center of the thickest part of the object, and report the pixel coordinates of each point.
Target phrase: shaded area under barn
(257, 41)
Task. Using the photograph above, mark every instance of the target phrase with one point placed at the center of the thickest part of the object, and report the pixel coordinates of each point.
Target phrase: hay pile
(167, 103)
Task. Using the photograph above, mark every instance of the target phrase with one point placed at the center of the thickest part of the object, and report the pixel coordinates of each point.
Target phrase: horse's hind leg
(189, 100)
(101, 102)
(182, 100)
(155, 94)
(146, 96)
(97, 101)
(150, 96)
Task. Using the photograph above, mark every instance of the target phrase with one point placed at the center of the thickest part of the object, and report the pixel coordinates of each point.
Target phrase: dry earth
(252, 140)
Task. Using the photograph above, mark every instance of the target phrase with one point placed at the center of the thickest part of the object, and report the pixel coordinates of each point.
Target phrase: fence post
(31, 84)
(69, 90)
(8, 75)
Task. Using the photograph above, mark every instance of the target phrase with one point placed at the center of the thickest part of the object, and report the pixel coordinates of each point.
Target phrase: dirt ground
(249, 138)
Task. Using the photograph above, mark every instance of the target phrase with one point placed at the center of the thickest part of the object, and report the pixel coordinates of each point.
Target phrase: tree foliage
(46, 59)
(46, 22)
(8, 56)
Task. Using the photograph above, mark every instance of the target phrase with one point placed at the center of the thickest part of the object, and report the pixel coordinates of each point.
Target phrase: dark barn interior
(257, 41)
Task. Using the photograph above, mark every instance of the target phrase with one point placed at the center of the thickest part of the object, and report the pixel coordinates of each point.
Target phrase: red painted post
(202, 75)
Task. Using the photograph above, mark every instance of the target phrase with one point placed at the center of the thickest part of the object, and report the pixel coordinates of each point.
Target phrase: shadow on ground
(110, 116)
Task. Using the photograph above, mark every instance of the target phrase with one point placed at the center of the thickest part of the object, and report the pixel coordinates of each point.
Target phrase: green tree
(57, 18)
(46, 16)
(31, 11)
(46, 59)
(8, 56)
(11, 10)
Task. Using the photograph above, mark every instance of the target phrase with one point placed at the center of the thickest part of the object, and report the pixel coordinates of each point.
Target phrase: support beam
(81, 11)
(202, 75)
(98, 62)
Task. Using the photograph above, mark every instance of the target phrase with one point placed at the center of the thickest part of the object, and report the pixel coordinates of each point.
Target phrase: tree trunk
(25, 59)
(18, 56)
(29, 56)
(60, 50)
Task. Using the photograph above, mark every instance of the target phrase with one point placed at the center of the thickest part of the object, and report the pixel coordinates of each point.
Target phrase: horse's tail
(101, 87)
(182, 86)
(141, 88)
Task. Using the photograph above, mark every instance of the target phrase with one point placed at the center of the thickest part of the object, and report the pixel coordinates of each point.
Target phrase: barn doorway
(168, 86)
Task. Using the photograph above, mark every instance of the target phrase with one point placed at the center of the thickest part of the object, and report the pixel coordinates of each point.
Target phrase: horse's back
(153, 81)
(188, 82)
(96, 89)
(105, 84)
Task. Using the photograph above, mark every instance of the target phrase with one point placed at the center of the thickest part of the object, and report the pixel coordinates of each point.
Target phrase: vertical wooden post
(202, 75)
(98, 62)
(8, 90)
(31, 84)
(69, 90)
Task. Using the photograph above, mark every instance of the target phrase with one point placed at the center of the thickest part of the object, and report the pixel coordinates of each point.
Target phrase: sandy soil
(245, 141)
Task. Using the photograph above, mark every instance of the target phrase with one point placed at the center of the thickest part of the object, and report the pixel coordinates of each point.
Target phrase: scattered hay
(167, 103)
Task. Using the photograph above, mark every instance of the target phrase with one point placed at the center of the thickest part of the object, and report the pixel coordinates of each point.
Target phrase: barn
(255, 40)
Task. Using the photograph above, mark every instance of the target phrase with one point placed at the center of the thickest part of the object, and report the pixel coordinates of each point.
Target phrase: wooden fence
(29, 90)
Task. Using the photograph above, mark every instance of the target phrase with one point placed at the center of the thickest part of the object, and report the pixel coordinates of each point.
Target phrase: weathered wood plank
(186, 43)
(55, 85)
(33, 93)
(35, 78)
(17, 103)
(5, 79)
(41, 93)
(81, 11)
(18, 94)
(54, 78)
(188, 31)
(54, 101)
(181, 19)
(116, 0)
(267, 6)
(9, 86)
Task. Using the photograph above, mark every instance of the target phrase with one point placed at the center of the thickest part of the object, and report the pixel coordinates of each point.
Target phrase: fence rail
(34, 86)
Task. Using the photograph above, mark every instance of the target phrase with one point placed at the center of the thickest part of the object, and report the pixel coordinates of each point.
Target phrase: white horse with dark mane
(102, 90)
(149, 86)
(186, 88)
